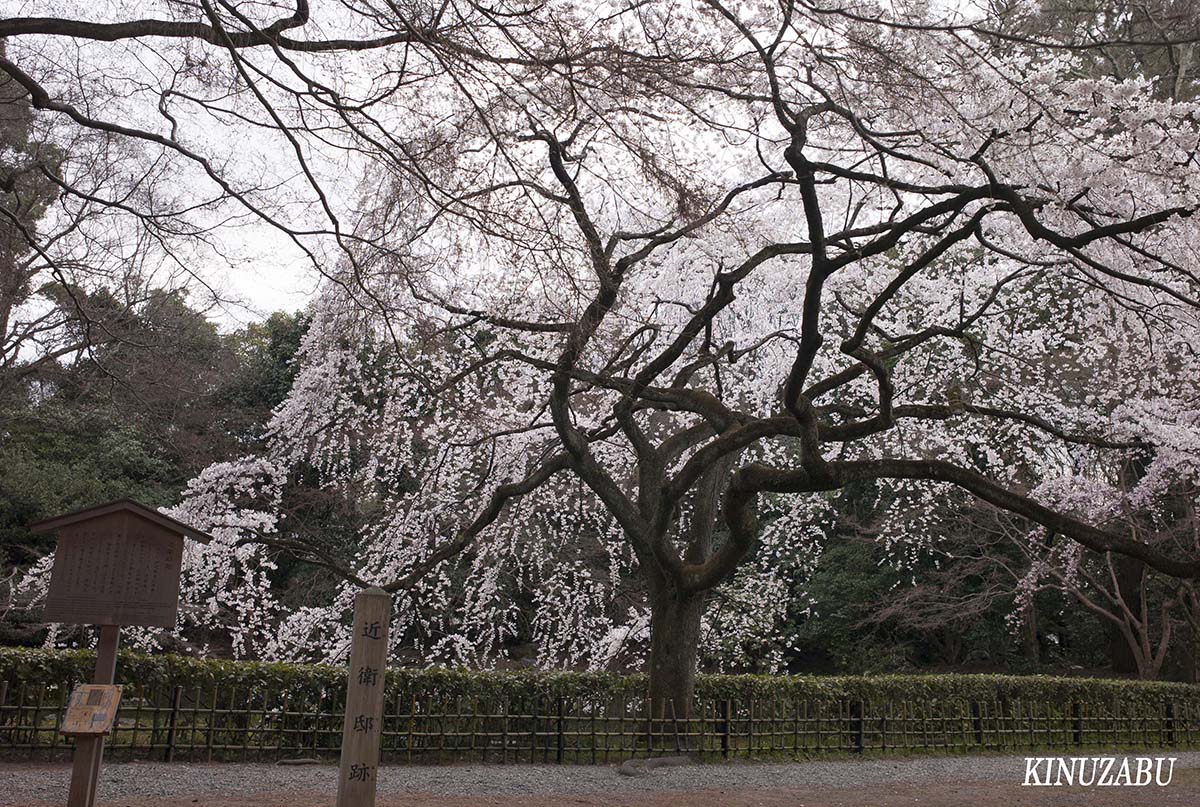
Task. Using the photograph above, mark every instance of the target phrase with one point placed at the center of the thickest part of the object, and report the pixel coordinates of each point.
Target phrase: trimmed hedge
(56, 667)
(178, 707)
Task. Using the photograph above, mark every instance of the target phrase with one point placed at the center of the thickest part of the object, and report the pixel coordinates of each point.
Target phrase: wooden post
(89, 751)
(857, 711)
(884, 711)
(559, 745)
(724, 728)
(363, 726)
(176, 698)
(114, 564)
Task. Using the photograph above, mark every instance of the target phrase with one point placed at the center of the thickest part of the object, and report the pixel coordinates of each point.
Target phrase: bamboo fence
(228, 724)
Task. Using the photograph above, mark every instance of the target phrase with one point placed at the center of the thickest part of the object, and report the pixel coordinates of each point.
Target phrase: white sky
(272, 278)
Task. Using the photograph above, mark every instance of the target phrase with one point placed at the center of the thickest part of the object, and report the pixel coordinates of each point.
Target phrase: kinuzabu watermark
(1098, 771)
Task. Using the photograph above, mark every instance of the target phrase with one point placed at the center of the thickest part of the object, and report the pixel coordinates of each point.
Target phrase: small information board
(92, 710)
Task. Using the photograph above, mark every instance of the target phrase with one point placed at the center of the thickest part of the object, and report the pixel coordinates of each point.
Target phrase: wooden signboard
(92, 710)
(117, 564)
(363, 725)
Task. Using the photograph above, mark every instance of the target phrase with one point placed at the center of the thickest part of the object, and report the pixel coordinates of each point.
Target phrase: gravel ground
(159, 783)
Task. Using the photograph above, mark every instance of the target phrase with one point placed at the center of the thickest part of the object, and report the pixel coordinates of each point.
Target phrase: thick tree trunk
(1130, 571)
(1191, 655)
(1029, 636)
(1129, 588)
(674, 645)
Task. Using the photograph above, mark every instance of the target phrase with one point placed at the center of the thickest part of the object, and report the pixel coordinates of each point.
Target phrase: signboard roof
(128, 505)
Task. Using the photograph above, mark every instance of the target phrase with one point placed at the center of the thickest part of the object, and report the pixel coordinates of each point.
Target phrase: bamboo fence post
(559, 744)
(172, 721)
(724, 711)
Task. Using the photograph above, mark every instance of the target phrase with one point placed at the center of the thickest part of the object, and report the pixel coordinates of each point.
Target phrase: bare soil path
(911, 782)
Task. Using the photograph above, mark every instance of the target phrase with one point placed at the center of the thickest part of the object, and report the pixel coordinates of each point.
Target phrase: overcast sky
(271, 277)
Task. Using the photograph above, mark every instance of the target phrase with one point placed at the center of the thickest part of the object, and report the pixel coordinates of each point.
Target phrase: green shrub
(50, 666)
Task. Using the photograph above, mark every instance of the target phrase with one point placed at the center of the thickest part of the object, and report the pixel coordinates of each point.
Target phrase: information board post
(365, 686)
(114, 564)
(89, 750)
